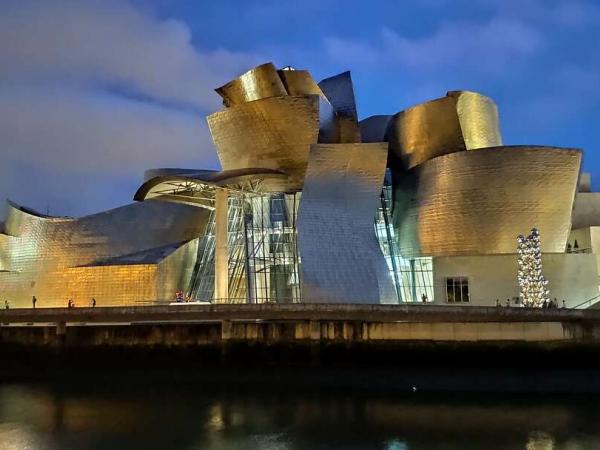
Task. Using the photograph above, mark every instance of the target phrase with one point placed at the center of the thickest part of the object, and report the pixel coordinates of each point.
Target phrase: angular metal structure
(340, 93)
(341, 258)
(374, 128)
(476, 203)
(460, 121)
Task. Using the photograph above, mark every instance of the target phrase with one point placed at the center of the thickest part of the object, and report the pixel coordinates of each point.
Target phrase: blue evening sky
(96, 91)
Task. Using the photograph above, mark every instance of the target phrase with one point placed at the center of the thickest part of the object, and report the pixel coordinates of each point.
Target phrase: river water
(142, 411)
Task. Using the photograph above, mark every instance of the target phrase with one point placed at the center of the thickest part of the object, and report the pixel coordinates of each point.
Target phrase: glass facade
(413, 277)
(264, 265)
(264, 262)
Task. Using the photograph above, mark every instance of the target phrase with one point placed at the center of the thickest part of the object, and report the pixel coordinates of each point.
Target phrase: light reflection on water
(160, 415)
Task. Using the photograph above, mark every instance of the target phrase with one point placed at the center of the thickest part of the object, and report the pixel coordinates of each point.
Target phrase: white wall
(573, 277)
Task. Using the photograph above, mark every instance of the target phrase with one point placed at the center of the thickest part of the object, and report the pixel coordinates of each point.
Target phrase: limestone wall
(573, 277)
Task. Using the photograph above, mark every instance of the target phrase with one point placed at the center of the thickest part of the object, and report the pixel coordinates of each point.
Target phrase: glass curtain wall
(413, 277)
(264, 265)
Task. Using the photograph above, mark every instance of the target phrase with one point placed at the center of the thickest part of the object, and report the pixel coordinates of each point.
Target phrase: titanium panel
(299, 82)
(425, 131)
(260, 82)
(348, 131)
(460, 121)
(373, 129)
(478, 117)
(340, 92)
(273, 133)
(340, 256)
(476, 203)
(46, 255)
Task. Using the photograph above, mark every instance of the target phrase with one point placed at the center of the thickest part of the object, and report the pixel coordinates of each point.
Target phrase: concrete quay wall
(215, 325)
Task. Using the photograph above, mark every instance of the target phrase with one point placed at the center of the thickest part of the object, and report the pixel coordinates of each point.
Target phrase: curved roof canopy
(198, 189)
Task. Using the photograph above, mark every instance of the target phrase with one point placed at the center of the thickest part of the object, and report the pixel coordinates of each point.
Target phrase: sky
(94, 92)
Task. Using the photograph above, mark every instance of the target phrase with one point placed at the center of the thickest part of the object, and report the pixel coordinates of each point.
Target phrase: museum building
(313, 205)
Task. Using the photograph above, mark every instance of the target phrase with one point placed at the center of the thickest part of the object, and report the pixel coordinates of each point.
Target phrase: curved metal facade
(476, 203)
(300, 82)
(460, 121)
(121, 256)
(341, 258)
(260, 82)
(478, 117)
(273, 133)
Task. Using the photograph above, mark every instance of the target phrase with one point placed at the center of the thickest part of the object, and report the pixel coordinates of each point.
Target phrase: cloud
(93, 92)
(93, 42)
(96, 132)
(486, 45)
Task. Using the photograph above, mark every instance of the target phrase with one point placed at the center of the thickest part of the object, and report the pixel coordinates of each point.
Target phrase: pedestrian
(33, 301)
(93, 302)
(70, 303)
(508, 302)
(6, 305)
(424, 297)
(564, 304)
(498, 305)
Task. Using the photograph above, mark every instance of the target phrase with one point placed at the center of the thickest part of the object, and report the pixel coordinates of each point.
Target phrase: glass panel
(413, 278)
(465, 291)
(450, 294)
(263, 254)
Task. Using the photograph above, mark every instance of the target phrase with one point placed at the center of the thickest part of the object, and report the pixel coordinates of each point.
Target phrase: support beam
(221, 251)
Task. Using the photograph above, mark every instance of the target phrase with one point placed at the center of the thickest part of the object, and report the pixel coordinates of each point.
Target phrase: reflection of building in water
(314, 206)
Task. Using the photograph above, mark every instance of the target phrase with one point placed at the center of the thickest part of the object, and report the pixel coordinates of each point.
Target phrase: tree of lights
(532, 283)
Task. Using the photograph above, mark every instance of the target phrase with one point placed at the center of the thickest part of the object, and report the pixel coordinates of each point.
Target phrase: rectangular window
(457, 290)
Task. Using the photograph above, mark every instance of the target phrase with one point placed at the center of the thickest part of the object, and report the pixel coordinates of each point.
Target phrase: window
(457, 290)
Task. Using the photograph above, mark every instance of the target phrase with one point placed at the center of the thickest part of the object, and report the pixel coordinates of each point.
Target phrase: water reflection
(156, 415)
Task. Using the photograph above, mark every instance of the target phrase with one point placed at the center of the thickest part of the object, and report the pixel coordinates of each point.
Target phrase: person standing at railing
(33, 301)
(6, 304)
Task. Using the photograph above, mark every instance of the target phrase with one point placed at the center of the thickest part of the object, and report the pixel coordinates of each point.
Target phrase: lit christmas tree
(533, 285)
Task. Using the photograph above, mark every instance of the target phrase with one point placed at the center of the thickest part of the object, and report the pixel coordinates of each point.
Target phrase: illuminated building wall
(140, 253)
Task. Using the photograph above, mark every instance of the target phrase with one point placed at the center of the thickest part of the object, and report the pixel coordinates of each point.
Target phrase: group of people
(180, 298)
(70, 303)
(548, 304)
